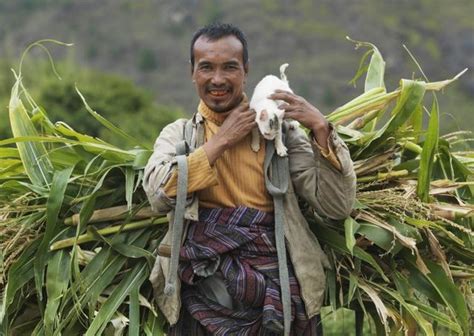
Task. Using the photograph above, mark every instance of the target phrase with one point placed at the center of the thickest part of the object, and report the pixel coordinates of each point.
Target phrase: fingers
(241, 115)
(287, 107)
(241, 108)
(291, 115)
(283, 95)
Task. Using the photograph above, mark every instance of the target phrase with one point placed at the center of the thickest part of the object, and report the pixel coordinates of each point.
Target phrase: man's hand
(301, 110)
(235, 127)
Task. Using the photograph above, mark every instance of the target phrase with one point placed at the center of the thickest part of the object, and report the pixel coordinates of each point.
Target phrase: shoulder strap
(277, 186)
(182, 149)
(189, 132)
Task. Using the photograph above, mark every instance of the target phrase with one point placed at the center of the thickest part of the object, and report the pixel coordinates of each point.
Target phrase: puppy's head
(268, 124)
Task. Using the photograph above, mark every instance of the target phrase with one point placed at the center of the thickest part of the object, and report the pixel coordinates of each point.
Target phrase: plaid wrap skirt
(238, 246)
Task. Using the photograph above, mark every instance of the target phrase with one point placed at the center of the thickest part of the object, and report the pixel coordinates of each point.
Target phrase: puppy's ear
(263, 115)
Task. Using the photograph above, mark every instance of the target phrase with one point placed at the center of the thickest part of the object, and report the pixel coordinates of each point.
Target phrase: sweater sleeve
(328, 154)
(327, 189)
(200, 174)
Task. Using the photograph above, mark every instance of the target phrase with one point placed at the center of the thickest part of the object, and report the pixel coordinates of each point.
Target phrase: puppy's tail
(282, 72)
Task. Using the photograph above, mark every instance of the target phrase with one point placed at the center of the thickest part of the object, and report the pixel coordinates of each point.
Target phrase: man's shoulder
(181, 122)
(177, 123)
(175, 126)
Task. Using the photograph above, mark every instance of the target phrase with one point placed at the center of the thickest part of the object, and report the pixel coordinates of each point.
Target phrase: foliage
(77, 236)
(116, 98)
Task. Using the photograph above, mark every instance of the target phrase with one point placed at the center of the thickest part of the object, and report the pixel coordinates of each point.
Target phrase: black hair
(215, 31)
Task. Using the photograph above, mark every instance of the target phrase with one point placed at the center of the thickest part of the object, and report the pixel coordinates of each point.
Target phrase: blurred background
(130, 58)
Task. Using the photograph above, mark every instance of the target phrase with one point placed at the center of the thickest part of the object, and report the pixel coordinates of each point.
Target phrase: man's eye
(231, 67)
(205, 67)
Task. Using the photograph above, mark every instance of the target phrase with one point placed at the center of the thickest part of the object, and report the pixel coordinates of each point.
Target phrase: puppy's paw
(255, 144)
(281, 149)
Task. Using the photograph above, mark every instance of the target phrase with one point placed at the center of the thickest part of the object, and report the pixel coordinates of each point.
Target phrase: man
(229, 269)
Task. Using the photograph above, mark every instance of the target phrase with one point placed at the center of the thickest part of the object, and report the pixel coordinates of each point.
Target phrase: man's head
(219, 65)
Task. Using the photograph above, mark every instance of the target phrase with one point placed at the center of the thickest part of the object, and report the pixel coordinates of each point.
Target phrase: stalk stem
(383, 176)
(88, 237)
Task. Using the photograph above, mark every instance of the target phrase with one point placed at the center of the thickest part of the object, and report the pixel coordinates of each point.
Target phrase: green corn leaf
(410, 309)
(427, 155)
(381, 237)
(411, 95)
(98, 275)
(420, 283)
(337, 242)
(33, 154)
(350, 227)
(376, 71)
(133, 279)
(375, 68)
(375, 75)
(57, 280)
(141, 158)
(127, 250)
(134, 312)
(153, 326)
(450, 293)
(9, 153)
(105, 150)
(436, 315)
(331, 284)
(352, 287)
(362, 67)
(53, 206)
(402, 284)
(129, 183)
(438, 287)
(19, 274)
(416, 121)
(111, 127)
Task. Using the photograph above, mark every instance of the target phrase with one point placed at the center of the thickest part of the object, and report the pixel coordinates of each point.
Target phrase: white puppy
(269, 116)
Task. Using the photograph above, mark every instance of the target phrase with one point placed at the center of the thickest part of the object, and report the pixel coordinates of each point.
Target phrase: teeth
(218, 93)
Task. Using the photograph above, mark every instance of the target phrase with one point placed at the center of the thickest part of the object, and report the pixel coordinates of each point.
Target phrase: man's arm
(236, 126)
(160, 178)
(159, 181)
(329, 190)
(328, 184)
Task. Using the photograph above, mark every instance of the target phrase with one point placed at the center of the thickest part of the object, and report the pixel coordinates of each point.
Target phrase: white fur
(269, 117)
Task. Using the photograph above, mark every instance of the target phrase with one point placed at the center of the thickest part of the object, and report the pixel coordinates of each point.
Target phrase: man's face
(219, 72)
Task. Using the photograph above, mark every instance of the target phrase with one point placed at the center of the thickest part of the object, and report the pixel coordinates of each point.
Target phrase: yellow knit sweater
(236, 178)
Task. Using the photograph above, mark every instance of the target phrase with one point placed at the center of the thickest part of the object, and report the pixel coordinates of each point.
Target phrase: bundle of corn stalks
(77, 236)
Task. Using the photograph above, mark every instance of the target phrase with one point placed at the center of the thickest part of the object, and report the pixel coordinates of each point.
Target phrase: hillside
(147, 41)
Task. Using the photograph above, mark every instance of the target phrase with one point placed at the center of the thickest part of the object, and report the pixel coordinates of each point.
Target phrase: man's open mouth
(218, 93)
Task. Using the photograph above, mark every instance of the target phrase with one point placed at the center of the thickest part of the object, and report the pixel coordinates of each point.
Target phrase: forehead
(222, 50)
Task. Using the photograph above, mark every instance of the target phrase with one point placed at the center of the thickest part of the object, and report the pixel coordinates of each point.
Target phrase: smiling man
(233, 275)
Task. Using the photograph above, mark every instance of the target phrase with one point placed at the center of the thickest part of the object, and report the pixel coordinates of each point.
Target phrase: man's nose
(218, 78)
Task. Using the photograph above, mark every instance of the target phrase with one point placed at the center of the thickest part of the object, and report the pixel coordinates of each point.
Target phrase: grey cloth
(214, 288)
